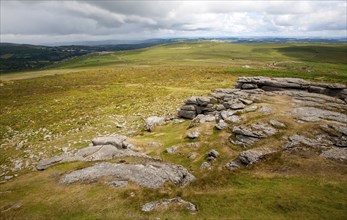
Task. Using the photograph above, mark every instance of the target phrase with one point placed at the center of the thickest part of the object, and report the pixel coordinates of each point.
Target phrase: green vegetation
(100, 91)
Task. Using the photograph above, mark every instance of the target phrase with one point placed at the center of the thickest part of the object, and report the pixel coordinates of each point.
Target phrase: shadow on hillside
(326, 54)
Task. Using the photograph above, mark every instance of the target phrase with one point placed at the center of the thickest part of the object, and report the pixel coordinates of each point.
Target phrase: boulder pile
(305, 102)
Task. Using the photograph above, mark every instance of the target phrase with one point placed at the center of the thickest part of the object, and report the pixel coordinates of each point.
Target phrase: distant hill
(22, 57)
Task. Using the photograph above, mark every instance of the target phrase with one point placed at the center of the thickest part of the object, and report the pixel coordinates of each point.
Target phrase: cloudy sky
(66, 21)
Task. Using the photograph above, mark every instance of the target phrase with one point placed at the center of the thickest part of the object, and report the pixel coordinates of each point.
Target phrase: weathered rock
(201, 119)
(193, 134)
(150, 175)
(252, 156)
(234, 105)
(213, 153)
(335, 153)
(150, 206)
(221, 125)
(249, 157)
(116, 140)
(233, 165)
(305, 112)
(191, 101)
(188, 107)
(93, 153)
(205, 165)
(193, 155)
(243, 140)
(246, 136)
(337, 134)
(205, 100)
(277, 124)
(186, 114)
(298, 140)
(273, 84)
(172, 149)
(153, 121)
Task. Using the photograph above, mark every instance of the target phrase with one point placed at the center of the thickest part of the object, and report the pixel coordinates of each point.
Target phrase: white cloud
(25, 21)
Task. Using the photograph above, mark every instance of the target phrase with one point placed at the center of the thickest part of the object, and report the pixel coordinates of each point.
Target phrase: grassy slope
(129, 86)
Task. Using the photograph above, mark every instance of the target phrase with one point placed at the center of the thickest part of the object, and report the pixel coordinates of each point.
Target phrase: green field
(71, 102)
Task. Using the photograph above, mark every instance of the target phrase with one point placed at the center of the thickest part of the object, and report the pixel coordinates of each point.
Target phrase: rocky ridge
(307, 102)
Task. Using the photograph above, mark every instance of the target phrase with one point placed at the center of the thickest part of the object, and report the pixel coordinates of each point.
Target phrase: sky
(69, 21)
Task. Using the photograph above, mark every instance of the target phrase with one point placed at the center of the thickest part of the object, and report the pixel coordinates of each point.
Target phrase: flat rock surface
(94, 153)
(149, 175)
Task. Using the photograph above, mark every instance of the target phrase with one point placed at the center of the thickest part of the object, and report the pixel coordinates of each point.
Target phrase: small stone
(193, 155)
(153, 121)
(172, 149)
(193, 134)
(277, 124)
(8, 177)
(205, 165)
(213, 153)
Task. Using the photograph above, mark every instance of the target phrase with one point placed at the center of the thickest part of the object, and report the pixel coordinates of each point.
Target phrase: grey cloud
(136, 19)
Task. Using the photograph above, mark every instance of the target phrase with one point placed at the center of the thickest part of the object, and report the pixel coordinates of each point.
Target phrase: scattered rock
(149, 175)
(277, 124)
(172, 149)
(298, 140)
(150, 206)
(249, 157)
(153, 121)
(193, 156)
(8, 177)
(213, 153)
(205, 165)
(221, 125)
(246, 136)
(193, 134)
(116, 140)
(252, 156)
